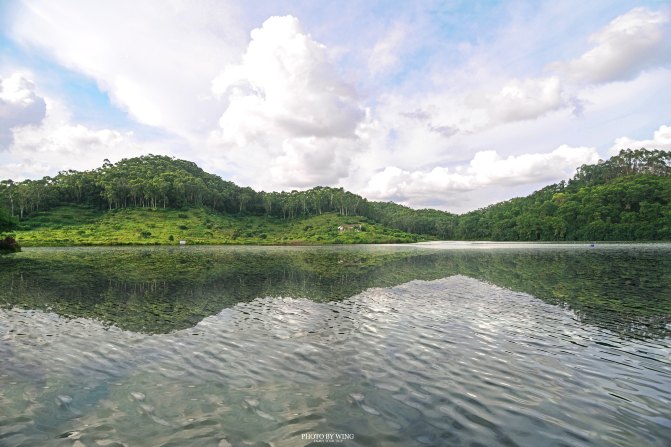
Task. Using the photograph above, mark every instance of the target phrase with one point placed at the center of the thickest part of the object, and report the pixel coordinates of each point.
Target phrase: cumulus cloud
(288, 106)
(56, 144)
(661, 140)
(452, 112)
(425, 130)
(526, 99)
(306, 162)
(433, 125)
(516, 100)
(154, 59)
(72, 141)
(45, 150)
(20, 105)
(631, 43)
(286, 82)
(487, 168)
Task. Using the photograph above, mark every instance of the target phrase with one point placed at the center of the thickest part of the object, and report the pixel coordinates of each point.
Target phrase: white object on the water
(74, 435)
(160, 421)
(265, 415)
(182, 242)
(63, 400)
(138, 396)
(253, 403)
(370, 410)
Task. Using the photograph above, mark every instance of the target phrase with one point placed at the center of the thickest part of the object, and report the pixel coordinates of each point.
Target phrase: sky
(452, 105)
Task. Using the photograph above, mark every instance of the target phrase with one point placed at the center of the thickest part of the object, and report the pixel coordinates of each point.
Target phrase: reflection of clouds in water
(409, 361)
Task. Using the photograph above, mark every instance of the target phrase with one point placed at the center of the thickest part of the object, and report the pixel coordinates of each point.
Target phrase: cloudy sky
(447, 104)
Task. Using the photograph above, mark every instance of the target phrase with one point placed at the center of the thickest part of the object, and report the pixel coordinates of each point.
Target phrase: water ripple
(449, 362)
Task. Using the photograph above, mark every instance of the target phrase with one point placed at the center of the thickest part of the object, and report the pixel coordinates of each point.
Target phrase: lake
(437, 344)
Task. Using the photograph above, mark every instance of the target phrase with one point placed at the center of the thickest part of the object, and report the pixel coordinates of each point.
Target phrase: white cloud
(306, 162)
(20, 105)
(56, 144)
(661, 140)
(432, 118)
(286, 82)
(155, 59)
(631, 43)
(526, 99)
(384, 55)
(486, 169)
(288, 108)
(415, 131)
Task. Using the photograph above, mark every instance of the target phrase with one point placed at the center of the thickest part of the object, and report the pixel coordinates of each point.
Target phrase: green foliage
(627, 163)
(7, 222)
(138, 226)
(627, 198)
(624, 198)
(7, 242)
(9, 245)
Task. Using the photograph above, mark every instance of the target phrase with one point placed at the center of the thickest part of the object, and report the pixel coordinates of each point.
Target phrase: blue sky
(453, 105)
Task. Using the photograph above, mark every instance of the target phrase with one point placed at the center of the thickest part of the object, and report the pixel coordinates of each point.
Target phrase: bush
(9, 245)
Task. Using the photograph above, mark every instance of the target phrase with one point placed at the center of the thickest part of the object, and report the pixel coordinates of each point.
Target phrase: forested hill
(156, 181)
(624, 198)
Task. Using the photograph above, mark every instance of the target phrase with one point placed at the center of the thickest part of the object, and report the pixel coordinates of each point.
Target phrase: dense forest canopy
(7, 222)
(627, 197)
(624, 198)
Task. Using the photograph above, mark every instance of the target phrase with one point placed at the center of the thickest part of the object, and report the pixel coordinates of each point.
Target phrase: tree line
(156, 181)
(624, 198)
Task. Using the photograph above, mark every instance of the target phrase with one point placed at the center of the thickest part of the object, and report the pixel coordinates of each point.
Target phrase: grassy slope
(78, 225)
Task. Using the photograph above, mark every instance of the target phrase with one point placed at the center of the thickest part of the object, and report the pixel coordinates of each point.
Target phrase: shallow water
(386, 346)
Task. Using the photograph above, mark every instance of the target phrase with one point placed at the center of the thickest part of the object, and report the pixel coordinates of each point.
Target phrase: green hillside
(626, 198)
(160, 200)
(84, 225)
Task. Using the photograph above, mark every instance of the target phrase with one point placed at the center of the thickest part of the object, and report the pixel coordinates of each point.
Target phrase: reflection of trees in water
(159, 290)
(626, 290)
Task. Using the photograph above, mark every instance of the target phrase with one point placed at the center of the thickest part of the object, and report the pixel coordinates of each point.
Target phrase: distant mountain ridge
(624, 198)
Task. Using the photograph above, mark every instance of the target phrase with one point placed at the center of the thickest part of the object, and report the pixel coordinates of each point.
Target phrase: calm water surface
(431, 345)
